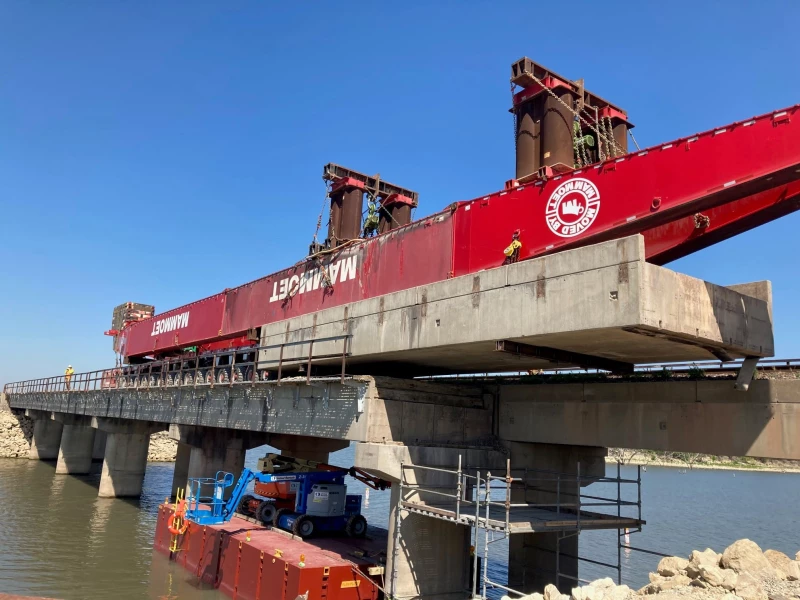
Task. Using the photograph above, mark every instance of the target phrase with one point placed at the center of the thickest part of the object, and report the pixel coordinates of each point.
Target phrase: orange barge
(248, 561)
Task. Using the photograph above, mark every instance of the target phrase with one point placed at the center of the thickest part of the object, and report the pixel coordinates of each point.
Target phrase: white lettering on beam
(339, 271)
(172, 323)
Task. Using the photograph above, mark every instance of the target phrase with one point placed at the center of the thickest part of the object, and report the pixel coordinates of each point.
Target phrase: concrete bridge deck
(603, 301)
(398, 422)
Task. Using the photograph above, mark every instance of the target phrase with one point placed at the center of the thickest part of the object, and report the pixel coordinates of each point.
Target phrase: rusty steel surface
(346, 206)
(372, 183)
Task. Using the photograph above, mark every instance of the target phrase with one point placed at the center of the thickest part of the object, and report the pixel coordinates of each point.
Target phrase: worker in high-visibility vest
(68, 375)
(512, 251)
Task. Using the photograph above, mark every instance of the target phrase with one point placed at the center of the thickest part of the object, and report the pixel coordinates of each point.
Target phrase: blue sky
(161, 152)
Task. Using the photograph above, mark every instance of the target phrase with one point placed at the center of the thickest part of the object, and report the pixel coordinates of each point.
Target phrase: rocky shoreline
(741, 572)
(647, 458)
(16, 432)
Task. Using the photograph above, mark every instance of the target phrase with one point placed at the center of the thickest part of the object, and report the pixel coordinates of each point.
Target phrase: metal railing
(710, 366)
(219, 368)
(470, 499)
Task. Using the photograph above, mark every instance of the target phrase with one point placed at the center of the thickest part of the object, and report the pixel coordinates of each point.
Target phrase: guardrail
(710, 366)
(211, 368)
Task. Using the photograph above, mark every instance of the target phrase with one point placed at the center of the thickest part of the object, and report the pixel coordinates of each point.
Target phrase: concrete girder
(706, 416)
(603, 301)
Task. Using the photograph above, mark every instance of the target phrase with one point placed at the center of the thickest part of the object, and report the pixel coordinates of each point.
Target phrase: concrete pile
(741, 572)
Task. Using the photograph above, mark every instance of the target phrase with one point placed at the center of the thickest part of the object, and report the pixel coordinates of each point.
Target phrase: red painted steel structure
(682, 196)
(246, 561)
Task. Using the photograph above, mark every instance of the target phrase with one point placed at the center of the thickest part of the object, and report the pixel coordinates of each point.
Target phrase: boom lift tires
(303, 526)
(356, 526)
(266, 512)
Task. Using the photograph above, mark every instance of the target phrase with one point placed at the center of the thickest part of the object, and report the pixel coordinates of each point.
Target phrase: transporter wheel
(303, 526)
(244, 505)
(266, 512)
(223, 377)
(356, 526)
(188, 379)
(170, 381)
(123, 382)
(264, 376)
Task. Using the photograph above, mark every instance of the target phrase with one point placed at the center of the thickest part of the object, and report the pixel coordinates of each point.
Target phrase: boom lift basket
(205, 503)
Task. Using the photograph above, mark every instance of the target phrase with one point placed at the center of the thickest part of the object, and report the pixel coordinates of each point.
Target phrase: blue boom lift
(321, 502)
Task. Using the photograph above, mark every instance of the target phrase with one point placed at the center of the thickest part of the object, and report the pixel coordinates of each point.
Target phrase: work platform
(523, 503)
(524, 519)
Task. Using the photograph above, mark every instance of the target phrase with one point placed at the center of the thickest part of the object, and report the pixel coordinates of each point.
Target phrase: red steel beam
(682, 237)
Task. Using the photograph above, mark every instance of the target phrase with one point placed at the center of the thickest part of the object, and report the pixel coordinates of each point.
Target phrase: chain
(572, 110)
(576, 144)
(514, 112)
(325, 200)
(610, 132)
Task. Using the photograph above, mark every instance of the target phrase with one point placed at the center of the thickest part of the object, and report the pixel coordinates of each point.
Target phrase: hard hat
(69, 366)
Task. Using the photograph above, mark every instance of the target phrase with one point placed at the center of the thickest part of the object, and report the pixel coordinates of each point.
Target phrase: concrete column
(125, 458)
(181, 472)
(430, 558)
(308, 448)
(99, 449)
(211, 449)
(46, 436)
(124, 465)
(75, 453)
(532, 557)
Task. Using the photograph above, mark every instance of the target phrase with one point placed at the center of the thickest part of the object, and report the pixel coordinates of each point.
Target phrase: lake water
(58, 539)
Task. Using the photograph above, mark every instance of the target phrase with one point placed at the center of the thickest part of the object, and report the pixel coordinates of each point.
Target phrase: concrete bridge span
(601, 306)
(428, 423)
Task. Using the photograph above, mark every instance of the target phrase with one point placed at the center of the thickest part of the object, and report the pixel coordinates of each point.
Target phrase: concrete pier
(99, 448)
(46, 436)
(181, 473)
(203, 451)
(77, 444)
(308, 448)
(125, 458)
(532, 556)
(432, 558)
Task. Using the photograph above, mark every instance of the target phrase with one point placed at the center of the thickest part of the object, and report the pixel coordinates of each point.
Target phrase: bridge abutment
(46, 435)
(77, 444)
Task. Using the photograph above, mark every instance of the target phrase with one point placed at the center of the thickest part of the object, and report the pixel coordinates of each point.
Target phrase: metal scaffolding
(518, 501)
